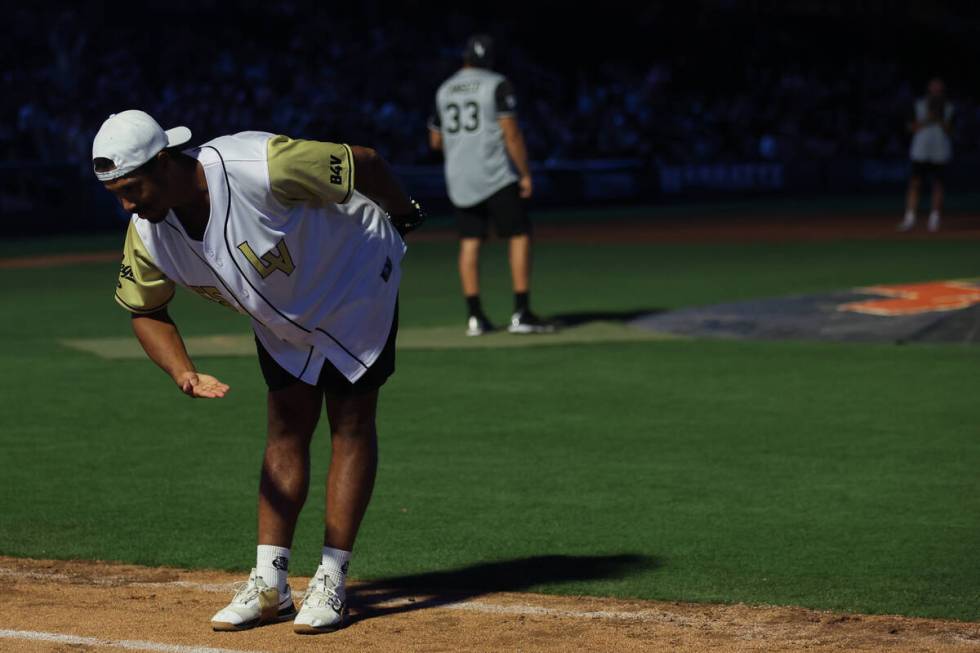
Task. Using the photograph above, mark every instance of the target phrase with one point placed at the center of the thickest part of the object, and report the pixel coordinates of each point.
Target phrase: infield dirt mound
(124, 607)
(737, 228)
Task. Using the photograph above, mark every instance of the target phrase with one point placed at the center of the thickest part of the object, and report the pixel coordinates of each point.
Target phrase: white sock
(934, 216)
(336, 561)
(909, 217)
(272, 564)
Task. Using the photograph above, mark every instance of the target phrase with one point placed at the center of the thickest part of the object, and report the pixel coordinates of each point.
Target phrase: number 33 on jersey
(468, 106)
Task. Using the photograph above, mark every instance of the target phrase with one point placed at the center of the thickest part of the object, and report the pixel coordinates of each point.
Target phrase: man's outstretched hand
(201, 386)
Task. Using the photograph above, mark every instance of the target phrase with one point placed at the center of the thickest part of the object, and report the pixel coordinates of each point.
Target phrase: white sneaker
(477, 325)
(907, 222)
(528, 322)
(254, 603)
(934, 221)
(324, 606)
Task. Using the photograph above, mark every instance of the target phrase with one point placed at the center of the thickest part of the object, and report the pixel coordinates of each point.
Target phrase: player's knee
(291, 429)
(358, 436)
(353, 416)
(280, 462)
(282, 437)
(470, 246)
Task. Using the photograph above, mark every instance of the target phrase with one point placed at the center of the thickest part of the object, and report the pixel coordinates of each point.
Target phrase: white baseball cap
(131, 138)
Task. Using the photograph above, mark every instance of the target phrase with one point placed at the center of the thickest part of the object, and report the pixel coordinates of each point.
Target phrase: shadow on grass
(433, 589)
(585, 317)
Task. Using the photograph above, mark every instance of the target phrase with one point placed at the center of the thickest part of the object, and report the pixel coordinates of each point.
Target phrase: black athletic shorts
(505, 208)
(331, 380)
(924, 169)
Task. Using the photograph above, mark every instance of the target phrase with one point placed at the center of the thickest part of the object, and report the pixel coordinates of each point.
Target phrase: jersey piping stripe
(143, 311)
(216, 275)
(231, 256)
(349, 352)
(350, 176)
(309, 356)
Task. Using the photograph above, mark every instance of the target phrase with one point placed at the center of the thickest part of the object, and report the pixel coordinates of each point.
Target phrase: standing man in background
(475, 125)
(930, 152)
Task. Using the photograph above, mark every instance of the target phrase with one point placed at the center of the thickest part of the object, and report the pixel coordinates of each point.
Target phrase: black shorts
(505, 208)
(923, 169)
(331, 380)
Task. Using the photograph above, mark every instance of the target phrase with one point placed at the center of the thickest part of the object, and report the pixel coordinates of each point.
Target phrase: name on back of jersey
(465, 87)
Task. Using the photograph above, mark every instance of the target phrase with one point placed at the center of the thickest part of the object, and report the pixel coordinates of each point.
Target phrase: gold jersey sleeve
(141, 287)
(303, 171)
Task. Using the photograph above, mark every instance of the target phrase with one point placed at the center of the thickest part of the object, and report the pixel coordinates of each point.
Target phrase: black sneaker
(528, 322)
(477, 325)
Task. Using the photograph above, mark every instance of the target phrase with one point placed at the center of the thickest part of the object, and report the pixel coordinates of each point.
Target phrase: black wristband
(406, 222)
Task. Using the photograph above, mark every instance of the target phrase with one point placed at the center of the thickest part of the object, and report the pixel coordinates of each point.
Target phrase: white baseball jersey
(931, 144)
(468, 105)
(289, 242)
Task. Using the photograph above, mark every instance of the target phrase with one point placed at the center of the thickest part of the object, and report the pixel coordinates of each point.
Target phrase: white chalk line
(533, 610)
(126, 644)
(114, 582)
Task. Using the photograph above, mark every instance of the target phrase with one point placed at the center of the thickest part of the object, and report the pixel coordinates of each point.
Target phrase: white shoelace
(245, 591)
(321, 595)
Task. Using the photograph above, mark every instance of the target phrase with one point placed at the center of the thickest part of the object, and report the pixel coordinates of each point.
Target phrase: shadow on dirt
(437, 588)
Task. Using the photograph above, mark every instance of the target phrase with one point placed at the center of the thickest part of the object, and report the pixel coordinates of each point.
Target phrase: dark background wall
(619, 101)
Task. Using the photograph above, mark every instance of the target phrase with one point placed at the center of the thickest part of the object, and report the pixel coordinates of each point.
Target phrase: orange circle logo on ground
(911, 299)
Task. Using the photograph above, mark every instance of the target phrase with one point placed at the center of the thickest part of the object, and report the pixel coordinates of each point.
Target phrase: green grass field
(833, 476)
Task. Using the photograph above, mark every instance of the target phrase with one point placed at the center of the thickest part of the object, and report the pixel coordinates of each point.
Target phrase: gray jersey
(468, 105)
(931, 144)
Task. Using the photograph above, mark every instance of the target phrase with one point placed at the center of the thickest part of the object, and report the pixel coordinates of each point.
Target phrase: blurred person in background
(475, 125)
(930, 152)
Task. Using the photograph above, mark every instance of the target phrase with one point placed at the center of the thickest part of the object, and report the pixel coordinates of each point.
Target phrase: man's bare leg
(469, 266)
(938, 197)
(520, 262)
(911, 203)
(469, 277)
(353, 466)
(293, 415)
(350, 481)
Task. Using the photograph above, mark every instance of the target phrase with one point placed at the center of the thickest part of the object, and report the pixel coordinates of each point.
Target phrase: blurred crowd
(280, 69)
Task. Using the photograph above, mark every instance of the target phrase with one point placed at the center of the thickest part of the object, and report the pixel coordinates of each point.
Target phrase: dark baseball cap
(479, 51)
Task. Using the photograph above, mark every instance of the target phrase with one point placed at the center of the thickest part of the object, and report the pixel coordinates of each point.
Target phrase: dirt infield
(56, 260)
(92, 606)
(694, 229)
(738, 228)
